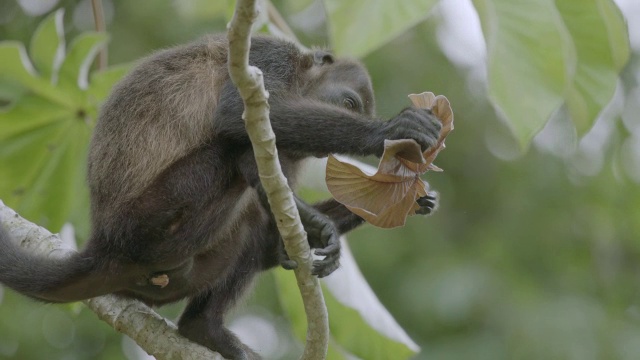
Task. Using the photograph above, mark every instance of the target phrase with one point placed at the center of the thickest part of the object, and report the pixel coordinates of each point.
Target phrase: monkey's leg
(342, 217)
(203, 319)
(346, 221)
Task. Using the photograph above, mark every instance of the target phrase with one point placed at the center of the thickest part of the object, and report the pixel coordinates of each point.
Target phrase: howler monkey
(174, 187)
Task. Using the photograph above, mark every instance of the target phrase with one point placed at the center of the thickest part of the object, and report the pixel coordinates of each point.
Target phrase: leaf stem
(98, 18)
(276, 19)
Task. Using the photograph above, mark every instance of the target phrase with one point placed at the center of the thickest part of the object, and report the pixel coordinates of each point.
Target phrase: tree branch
(250, 84)
(276, 19)
(153, 333)
(98, 19)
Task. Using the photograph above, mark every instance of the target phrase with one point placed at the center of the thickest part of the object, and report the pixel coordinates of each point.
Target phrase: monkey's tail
(67, 279)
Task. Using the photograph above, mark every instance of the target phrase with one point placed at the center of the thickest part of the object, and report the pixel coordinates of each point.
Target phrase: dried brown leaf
(388, 196)
(441, 108)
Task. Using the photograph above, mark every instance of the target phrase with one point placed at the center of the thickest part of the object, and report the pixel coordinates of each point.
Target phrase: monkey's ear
(306, 61)
(322, 57)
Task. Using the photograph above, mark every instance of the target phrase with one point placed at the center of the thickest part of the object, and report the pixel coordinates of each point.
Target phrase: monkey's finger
(289, 264)
(424, 140)
(427, 121)
(433, 195)
(332, 245)
(424, 210)
(332, 249)
(328, 231)
(426, 201)
(283, 259)
(428, 204)
(322, 268)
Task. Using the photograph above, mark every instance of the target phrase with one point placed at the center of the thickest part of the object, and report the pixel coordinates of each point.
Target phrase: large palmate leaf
(544, 53)
(530, 61)
(45, 132)
(357, 27)
(599, 35)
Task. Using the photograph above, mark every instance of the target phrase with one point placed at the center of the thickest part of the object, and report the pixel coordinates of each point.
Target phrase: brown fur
(163, 108)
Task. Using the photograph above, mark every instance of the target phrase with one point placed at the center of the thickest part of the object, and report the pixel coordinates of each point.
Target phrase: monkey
(177, 208)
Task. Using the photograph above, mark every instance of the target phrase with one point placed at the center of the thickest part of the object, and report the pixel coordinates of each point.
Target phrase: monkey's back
(158, 113)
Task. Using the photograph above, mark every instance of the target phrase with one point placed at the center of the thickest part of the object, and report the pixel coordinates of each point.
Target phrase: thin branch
(156, 335)
(98, 18)
(250, 84)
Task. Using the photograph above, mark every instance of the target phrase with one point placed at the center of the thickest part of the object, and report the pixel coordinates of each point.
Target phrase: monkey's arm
(342, 217)
(310, 127)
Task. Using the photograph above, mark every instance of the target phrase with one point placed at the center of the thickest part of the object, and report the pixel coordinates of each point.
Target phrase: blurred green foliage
(533, 256)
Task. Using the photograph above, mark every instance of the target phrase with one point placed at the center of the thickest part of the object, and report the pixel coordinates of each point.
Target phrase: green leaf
(530, 55)
(17, 70)
(47, 44)
(598, 32)
(9, 92)
(359, 324)
(291, 302)
(103, 80)
(73, 74)
(358, 27)
(15, 65)
(27, 114)
(543, 53)
(40, 158)
(45, 132)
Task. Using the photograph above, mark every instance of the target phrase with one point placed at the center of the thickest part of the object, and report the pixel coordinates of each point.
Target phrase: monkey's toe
(428, 203)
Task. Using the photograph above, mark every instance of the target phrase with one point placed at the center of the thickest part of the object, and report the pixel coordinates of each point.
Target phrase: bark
(250, 84)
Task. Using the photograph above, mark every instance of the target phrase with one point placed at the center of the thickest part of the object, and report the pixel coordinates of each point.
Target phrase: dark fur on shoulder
(175, 191)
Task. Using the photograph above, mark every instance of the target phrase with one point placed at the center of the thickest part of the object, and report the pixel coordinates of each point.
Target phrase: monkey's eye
(349, 103)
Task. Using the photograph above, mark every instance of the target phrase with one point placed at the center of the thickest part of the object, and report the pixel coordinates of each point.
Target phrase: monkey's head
(342, 82)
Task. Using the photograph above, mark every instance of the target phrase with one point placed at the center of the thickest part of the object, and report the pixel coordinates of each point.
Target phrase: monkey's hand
(420, 125)
(428, 203)
(323, 236)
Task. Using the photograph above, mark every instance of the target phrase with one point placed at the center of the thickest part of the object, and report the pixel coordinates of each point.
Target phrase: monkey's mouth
(321, 155)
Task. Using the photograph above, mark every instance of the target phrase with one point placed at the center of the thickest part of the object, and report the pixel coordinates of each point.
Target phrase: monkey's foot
(428, 203)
